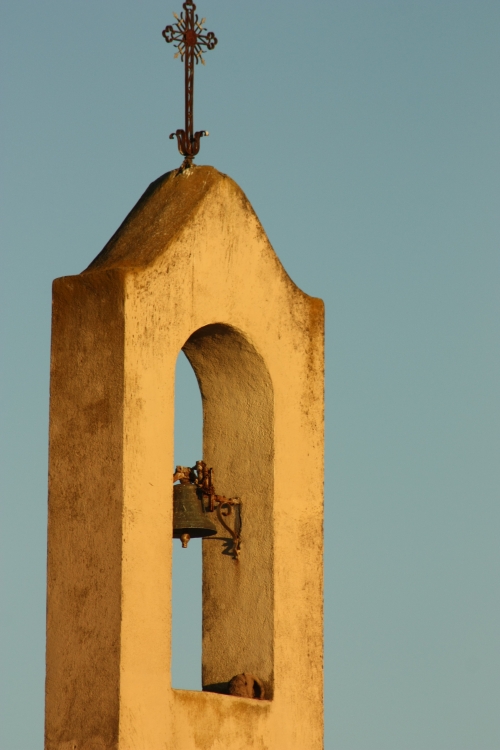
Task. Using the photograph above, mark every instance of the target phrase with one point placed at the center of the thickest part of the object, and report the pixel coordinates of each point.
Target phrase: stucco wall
(190, 267)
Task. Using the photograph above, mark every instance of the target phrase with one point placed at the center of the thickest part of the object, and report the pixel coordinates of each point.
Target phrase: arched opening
(186, 563)
(233, 619)
(238, 408)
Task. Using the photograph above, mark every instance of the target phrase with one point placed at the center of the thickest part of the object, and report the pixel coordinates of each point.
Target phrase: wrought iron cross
(191, 40)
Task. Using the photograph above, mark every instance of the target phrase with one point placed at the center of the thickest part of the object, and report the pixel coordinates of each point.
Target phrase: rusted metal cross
(191, 40)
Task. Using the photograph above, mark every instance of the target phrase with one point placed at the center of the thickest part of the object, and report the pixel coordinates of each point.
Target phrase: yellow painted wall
(191, 267)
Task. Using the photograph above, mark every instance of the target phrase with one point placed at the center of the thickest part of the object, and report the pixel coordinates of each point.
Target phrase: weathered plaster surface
(190, 268)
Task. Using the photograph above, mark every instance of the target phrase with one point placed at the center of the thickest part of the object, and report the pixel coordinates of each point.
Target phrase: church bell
(190, 518)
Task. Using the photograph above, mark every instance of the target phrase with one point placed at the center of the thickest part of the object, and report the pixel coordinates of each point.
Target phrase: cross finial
(191, 40)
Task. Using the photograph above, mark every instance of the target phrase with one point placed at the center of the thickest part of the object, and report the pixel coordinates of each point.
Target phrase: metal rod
(191, 40)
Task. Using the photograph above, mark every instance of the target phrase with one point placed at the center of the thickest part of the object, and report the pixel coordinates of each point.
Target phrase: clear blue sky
(366, 135)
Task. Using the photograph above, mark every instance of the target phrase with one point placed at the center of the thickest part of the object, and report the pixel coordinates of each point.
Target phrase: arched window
(238, 443)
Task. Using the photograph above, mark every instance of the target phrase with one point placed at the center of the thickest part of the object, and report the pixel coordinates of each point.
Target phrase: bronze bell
(190, 519)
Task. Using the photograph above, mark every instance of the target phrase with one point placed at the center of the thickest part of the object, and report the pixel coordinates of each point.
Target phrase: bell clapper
(185, 540)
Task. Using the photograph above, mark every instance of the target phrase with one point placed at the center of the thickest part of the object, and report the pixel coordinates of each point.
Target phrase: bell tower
(190, 268)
